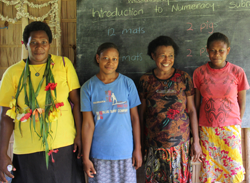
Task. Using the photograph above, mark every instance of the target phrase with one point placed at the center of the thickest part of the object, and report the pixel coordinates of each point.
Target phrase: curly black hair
(162, 41)
(217, 36)
(36, 26)
(104, 47)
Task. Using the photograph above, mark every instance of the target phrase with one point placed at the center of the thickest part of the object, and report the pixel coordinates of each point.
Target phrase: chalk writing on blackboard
(137, 57)
(116, 13)
(241, 4)
(197, 6)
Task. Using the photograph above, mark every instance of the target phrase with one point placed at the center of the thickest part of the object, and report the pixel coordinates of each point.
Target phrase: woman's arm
(88, 128)
(242, 102)
(197, 101)
(196, 151)
(6, 129)
(137, 157)
(142, 111)
(75, 99)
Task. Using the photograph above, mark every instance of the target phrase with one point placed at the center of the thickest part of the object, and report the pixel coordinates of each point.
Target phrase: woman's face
(38, 47)
(218, 52)
(164, 58)
(108, 61)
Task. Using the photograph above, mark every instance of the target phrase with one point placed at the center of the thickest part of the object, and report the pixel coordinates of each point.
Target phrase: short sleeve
(142, 87)
(196, 80)
(242, 81)
(72, 78)
(7, 89)
(85, 98)
(134, 99)
(189, 85)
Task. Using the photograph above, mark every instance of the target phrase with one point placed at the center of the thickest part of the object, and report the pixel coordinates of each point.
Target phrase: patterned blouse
(166, 118)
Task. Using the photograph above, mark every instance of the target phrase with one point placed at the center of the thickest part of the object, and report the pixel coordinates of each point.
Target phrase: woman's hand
(196, 152)
(78, 146)
(137, 158)
(88, 167)
(74, 98)
(4, 162)
(6, 129)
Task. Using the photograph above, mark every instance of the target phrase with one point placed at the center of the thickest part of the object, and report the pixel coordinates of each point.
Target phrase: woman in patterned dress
(167, 111)
(222, 86)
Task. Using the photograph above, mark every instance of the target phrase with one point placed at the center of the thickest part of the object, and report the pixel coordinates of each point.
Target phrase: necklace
(37, 72)
(45, 118)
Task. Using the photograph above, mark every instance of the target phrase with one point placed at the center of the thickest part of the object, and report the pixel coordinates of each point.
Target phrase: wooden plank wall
(11, 51)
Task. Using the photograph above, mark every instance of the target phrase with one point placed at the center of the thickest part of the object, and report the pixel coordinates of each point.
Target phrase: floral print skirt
(221, 147)
(168, 165)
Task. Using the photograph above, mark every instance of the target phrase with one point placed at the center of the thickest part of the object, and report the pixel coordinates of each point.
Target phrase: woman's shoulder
(91, 81)
(127, 81)
(125, 78)
(179, 72)
(147, 75)
(16, 68)
(200, 68)
(61, 60)
(235, 67)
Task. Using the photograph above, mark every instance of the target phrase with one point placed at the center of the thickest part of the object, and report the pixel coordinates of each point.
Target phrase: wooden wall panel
(10, 45)
(68, 26)
(8, 10)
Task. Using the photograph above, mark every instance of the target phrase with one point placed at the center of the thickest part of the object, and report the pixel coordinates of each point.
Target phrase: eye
(33, 42)
(115, 59)
(44, 42)
(171, 56)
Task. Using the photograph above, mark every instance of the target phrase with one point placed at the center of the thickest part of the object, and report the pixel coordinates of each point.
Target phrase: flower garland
(33, 111)
(54, 22)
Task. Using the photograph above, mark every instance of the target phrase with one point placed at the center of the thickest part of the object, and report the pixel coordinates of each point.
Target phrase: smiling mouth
(165, 65)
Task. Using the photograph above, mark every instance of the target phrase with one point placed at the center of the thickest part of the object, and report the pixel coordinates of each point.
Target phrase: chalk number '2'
(190, 51)
(190, 28)
(111, 32)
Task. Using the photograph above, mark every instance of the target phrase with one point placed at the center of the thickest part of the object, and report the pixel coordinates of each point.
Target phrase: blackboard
(132, 24)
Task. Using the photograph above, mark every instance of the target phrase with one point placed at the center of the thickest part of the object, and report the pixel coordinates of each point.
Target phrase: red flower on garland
(174, 78)
(59, 104)
(171, 113)
(50, 86)
(50, 153)
(26, 116)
